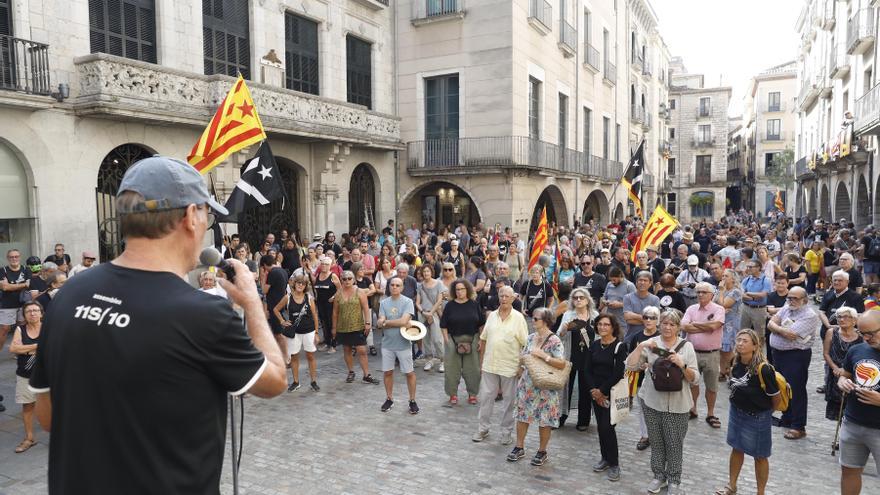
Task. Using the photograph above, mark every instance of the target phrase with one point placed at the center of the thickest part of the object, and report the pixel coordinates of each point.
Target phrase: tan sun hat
(414, 331)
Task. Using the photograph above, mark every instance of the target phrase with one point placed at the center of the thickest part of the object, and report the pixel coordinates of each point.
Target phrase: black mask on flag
(259, 185)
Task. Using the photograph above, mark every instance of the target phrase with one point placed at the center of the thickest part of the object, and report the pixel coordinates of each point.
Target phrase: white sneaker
(656, 485)
(479, 436)
(441, 369)
(429, 365)
(506, 438)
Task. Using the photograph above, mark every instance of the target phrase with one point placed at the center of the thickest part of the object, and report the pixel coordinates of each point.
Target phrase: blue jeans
(794, 366)
(812, 280)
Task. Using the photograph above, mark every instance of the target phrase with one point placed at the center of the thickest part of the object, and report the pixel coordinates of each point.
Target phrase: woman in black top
(326, 285)
(300, 329)
(24, 346)
(749, 423)
(670, 297)
(460, 323)
(795, 271)
(605, 364)
(536, 293)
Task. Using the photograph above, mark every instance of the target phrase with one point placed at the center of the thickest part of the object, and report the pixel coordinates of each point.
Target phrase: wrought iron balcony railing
(24, 66)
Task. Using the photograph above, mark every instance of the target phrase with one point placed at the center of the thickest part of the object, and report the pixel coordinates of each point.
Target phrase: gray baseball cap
(166, 184)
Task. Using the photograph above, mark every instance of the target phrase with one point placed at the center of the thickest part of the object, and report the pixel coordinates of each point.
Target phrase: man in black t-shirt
(592, 281)
(60, 258)
(135, 364)
(14, 278)
(273, 281)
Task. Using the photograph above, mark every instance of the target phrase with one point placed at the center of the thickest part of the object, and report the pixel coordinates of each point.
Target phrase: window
(534, 108)
(6, 17)
(705, 106)
(226, 38)
(617, 142)
(670, 166)
(773, 129)
(126, 28)
(702, 205)
(441, 120)
(562, 139)
(671, 203)
(773, 101)
(672, 133)
(768, 162)
(359, 71)
(300, 54)
(588, 31)
(704, 169)
(605, 46)
(588, 131)
(704, 134)
(606, 137)
(672, 104)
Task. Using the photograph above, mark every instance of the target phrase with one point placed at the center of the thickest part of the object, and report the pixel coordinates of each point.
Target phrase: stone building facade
(95, 85)
(697, 167)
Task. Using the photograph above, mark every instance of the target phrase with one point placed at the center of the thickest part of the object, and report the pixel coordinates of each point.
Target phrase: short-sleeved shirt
(705, 341)
(462, 318)
(863, 363)
(832, 301)
(535, 295)
(756, 284)
(504, 342)
(594, 283)
(796, 273)
(277, 282)
(12, 299)
(745, 388)
(101, 333)
(635, 304)
(393, 309)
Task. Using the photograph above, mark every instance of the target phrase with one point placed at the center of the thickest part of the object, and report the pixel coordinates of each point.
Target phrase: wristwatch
(547, 359)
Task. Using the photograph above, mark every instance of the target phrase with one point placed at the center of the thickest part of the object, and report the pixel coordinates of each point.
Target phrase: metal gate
(254, 224)
(110, 174)
(361, 199)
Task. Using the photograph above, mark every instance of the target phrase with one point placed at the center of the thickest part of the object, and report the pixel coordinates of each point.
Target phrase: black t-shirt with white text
(138, 365)
(595, 285)
(535, 296)
(745, 388)
(12, 299)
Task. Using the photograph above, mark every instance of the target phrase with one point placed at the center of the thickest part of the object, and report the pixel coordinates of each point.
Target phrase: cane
(835, 445)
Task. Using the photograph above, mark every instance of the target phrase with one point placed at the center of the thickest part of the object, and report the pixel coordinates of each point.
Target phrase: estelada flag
(540, 241)
(632, 178)
(235, 126)
(658, 227)
(778, 202)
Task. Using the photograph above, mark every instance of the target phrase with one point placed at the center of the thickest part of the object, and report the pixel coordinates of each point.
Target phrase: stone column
(319, 217)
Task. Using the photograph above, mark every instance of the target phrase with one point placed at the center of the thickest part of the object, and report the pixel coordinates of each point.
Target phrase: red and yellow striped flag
(236, 125)
(658, 227)
(540, 241)
(778, 202)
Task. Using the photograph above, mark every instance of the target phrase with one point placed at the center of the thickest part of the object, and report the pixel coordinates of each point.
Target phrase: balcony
(24, 66)
(867, 112)
(648, 181)
(838, 64)
(665, 148)
(122, 88)
(648, 122)
(374, 4)
(702, 112)
(647, 70)
(778, 137)
(691, 179)
(429, 11)
(541, 15)
(734, 176)
(802, 171)
(638, 63)
(610, 76)
(481, 155)
(809, 93)
(828, 18)
(703, 141)
(826, 86)
(591, 57)
(774, 107)
(567, 39)
(637, 114)
(860, 31)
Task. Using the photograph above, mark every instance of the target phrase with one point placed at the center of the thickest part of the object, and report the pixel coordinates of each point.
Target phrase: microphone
(212, 257)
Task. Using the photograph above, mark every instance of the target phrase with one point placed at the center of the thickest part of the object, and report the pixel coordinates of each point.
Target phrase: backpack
(784, 388)
(667, 377)
(874, 247)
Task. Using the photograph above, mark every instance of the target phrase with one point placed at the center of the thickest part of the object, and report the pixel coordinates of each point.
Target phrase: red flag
(540, 241)
(727, 263)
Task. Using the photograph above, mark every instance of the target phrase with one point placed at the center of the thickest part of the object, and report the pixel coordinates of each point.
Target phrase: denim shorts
(872, 267)
(856, 442)
(749, 432)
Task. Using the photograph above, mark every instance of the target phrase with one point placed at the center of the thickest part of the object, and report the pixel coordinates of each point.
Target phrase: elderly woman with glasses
(534, 405)
(326, 284)
(577, 333)
(351, 324)
(837, 341)
(460, 323)
(666, 412)
(605, 363)
(300, 328)
(24, 346)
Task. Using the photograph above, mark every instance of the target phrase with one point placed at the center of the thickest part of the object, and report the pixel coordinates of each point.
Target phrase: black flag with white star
(632, 178)
(259, 185)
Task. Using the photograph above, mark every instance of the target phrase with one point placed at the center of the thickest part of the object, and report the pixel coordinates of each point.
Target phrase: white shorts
(9, 316)
(23, 395)
(405, 359)
(301, 341)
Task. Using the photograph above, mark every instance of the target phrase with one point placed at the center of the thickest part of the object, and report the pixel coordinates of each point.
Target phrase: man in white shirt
(88, 261)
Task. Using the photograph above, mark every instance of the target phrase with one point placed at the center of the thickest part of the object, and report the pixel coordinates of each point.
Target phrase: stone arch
(17, 200)
(842, 203)
(557, 212)
(811, 202)
(362, 197)
(596, 207)
(110, 172)
(441, 202)
(824, 204)
(863, 204)
(618, 212)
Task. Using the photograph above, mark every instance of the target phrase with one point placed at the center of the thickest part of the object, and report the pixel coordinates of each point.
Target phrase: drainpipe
(396, 114)
(577, 110)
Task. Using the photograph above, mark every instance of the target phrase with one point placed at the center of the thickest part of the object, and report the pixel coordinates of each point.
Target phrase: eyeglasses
(649, 317)
(704, 292)
(578, 298)
(447, 269)
(586, 262)
(869, 334)
(347, 278)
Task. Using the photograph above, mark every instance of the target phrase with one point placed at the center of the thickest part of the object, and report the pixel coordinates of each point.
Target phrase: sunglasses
(586, 262)
(347, 278)
(578, 298)
(649, 318)
(447, 269)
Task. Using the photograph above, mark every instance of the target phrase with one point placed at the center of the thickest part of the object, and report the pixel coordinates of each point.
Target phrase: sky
(729, 41)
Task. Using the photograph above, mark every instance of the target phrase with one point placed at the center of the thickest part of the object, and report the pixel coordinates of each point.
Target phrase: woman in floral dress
(534, 405)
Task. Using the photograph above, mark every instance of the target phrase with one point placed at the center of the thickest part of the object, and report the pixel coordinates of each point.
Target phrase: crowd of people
(731, 301)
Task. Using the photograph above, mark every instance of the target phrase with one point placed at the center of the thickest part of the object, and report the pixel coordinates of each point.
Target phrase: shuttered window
(5, 17)
(226, 39)
(359, 71)
(126, 28)
(301, 53)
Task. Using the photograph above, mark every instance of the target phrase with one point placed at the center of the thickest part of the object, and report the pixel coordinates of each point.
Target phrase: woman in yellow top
(814, 261)
(352, 324)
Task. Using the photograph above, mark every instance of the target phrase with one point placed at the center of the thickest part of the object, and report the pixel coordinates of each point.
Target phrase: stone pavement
(337, 441)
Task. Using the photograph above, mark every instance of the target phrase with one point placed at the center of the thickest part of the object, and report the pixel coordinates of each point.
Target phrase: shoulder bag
(619, 400)
(667, 377)
(544, 376)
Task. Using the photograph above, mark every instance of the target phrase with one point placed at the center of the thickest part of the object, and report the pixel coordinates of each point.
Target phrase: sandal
(24, 445)
(795, 434)
(713, 421)
(350, 377)
(727, 490)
